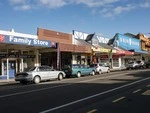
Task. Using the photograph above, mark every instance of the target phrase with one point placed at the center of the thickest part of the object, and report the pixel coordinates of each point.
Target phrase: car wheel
(93, 73)
(60, 76)
(78, 74)
(37, 79)
(100, 72)
(108, 70)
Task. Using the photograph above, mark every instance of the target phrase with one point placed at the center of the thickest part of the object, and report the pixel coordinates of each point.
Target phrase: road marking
(92, 96)
(121, 98)
(148, 85)
(137, 91)
(14, 94)
(92, 111)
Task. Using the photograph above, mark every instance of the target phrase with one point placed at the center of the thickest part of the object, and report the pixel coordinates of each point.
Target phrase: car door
(52, 74)
(103, 69)
(88, 69)
(42, 72)
(83, 69)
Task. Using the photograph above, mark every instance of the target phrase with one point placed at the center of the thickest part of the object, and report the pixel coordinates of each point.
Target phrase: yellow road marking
(118, 99)
(137, 91)
(92, 111)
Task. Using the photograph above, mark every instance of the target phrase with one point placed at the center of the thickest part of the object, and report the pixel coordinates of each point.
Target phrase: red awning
(123, 52)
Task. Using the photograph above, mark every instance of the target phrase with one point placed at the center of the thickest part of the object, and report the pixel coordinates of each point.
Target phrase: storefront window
(116, 62)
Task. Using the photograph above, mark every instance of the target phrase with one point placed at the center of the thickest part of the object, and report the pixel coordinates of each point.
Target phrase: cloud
(52, 3)
(20, 4)
(15, 2)
(106, 8)
(95, 3)
(121, 9)
(145, 5)
(23, 7)
(113, 11)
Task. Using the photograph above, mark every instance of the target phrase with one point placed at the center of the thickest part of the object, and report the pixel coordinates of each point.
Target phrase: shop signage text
(27, 41)
(16, 56)
(127, 43)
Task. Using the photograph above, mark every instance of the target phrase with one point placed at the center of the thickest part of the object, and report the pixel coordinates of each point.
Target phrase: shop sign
(26, 41)
(16, 56)
(128, 42)
(3, 55)
(98, 49)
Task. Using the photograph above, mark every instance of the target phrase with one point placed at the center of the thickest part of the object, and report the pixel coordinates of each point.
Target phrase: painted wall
(54, 36)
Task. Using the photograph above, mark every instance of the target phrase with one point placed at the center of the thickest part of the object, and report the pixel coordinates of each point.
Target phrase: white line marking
(114, 101)
(148, 85)
(92, 96)
(14, 94)
(136, 91)
(92, 111)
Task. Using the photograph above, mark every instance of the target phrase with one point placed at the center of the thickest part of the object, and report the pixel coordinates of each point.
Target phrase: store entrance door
(11, 68)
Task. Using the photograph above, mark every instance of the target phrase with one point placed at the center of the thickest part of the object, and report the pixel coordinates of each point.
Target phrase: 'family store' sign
(26, 41)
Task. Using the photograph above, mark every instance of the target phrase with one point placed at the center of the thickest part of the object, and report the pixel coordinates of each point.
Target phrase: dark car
(147, 64)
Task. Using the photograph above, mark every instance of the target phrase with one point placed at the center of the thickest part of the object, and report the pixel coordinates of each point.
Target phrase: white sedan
(101, 68)
(39, 73)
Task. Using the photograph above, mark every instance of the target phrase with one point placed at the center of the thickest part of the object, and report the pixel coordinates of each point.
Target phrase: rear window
(130, 62)
(138, 62)
(75, 66)
(93, 65)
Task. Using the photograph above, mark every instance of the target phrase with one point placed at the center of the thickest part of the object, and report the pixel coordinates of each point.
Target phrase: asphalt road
(115, 92)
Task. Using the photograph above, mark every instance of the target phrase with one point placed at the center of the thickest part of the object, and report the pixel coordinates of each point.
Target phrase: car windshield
(66, 67)
(30, 69)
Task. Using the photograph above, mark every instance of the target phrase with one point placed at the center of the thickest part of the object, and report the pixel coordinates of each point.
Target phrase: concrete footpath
(7, 82)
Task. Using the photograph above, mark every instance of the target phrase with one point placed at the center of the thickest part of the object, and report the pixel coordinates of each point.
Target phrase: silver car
(101, 68)
(39, 73)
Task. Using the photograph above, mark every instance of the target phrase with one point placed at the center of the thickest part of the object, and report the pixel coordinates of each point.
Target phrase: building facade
(66, 52)
(19, 51)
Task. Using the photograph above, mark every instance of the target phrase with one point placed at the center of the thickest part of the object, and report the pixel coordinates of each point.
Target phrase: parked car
(78, 70)
(147, 64)
(134, 65)
(101, 68)
(39, 73)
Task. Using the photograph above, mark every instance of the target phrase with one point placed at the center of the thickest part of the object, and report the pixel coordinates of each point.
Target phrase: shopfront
(128, 47)
(18, 53)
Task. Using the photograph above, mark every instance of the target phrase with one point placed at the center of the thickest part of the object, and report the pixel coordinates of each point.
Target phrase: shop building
(19, 51)
(66, 53)
(145, 45)
(131, 47)
(101, 51)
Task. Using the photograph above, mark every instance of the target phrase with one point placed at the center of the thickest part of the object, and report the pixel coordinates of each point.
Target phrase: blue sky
(103, 17)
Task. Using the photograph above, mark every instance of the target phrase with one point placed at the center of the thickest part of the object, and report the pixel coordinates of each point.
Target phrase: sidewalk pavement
(7, 82)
